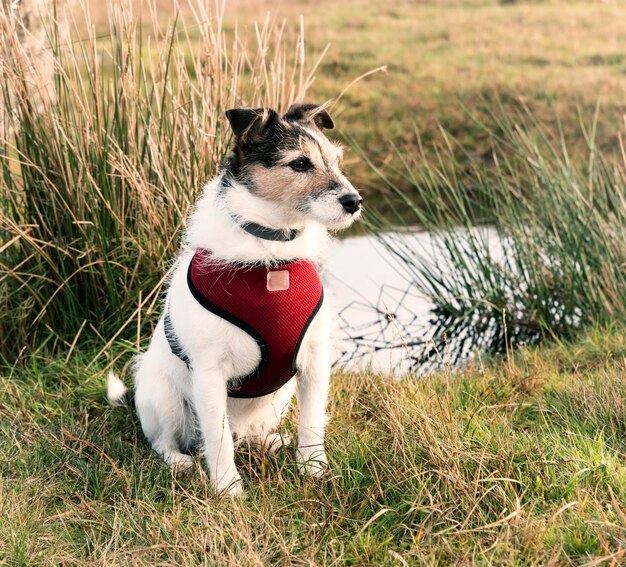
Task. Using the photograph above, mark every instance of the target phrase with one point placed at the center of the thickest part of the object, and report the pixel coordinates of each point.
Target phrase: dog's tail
(117, 393)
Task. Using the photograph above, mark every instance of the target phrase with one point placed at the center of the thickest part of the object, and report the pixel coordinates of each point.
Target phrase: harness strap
(277, 319)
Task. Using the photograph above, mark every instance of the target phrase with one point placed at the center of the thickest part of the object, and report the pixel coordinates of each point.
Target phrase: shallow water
(381, 316)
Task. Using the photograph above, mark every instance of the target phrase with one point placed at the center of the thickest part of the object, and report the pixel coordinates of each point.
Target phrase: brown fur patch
(280, 182)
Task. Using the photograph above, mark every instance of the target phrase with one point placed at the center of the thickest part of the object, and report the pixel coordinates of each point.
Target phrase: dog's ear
(250, 121)
(314, 113)
(242, 119)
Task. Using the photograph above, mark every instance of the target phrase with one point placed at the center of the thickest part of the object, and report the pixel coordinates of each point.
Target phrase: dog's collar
(274, 234)
(260, 231)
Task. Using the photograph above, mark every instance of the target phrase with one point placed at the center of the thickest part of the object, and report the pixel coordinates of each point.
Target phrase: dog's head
(288, 161)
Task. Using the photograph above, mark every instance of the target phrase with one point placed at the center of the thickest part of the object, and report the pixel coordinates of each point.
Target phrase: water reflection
(384, 322)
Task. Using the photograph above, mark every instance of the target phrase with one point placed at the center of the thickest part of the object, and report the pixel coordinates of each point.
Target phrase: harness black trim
(294, 366)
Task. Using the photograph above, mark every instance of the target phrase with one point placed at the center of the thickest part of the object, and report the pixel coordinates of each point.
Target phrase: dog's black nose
(350, 202)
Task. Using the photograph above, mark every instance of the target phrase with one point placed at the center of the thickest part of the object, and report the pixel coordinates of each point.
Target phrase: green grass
(518, 463)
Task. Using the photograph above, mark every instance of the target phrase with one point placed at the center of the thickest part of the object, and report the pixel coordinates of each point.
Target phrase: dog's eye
(301, 164)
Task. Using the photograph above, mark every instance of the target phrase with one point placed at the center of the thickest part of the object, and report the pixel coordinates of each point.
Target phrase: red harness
(274, 305)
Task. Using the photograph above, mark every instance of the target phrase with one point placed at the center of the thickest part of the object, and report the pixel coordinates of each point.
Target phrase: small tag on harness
(278, 281)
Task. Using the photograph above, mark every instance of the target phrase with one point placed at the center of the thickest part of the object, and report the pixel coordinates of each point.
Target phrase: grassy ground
(513, 464)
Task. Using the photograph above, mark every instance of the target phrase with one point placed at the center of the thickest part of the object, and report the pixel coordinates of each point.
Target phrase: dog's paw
(275, 442)
(180, 464)
(312, 461)
(271, 443)
(231, 487)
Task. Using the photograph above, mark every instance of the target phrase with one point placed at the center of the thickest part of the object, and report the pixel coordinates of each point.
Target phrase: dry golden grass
(518, 464)
(96, 181)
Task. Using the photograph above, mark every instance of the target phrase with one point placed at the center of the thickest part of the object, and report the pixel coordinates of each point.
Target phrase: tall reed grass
(98, 169)
(528, 246)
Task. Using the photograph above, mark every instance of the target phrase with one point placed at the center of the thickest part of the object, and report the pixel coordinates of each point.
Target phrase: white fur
(165, 389)
(116, 391)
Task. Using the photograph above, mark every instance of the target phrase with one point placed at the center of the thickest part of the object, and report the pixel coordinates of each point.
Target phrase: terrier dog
(245, 324)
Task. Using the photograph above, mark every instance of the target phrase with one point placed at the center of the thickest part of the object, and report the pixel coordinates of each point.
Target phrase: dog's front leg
(313, 383)
(210, 397)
